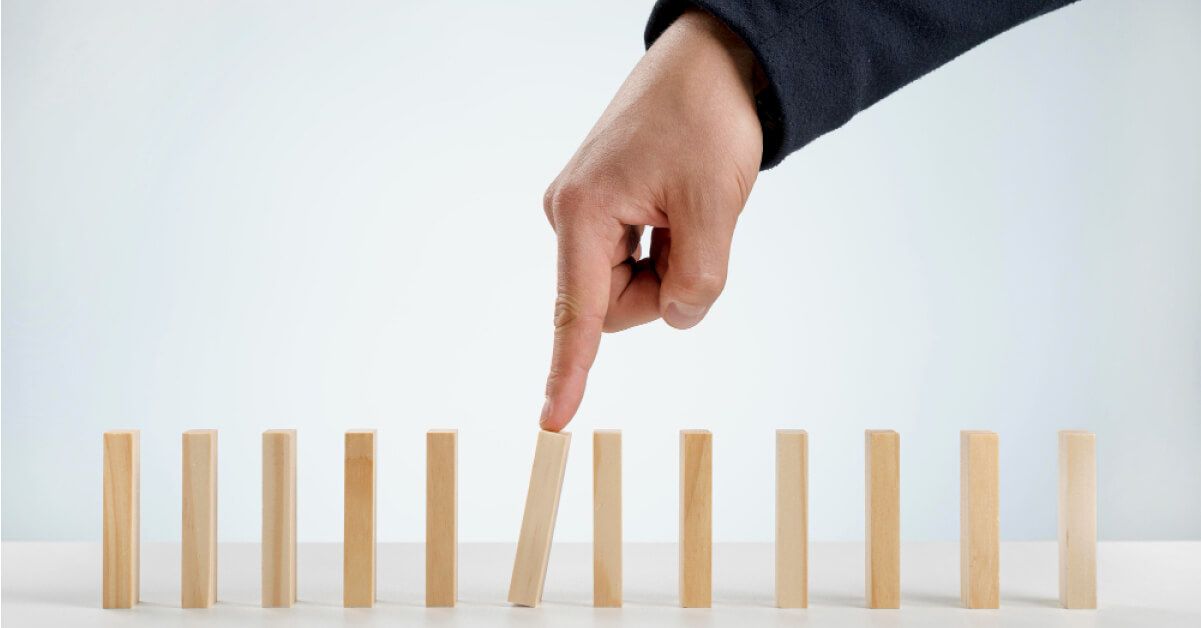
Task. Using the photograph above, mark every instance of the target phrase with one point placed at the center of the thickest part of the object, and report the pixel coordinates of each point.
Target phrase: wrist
(699, 28)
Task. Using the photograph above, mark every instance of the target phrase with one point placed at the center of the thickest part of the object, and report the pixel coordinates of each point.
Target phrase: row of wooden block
(979, 519)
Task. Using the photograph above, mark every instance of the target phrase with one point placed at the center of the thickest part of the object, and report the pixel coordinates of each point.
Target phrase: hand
(677, 150)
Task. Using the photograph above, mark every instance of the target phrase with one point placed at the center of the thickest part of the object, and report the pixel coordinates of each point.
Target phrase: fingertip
(684, 316)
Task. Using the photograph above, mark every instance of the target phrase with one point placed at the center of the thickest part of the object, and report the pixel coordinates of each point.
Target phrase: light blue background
(327, 215)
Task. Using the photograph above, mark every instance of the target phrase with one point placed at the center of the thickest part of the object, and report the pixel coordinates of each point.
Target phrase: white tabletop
(1150, 584)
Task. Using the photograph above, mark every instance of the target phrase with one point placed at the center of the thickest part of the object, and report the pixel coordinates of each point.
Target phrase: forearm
(826, 61)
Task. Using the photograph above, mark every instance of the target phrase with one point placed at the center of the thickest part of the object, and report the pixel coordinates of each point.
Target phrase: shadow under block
(883, 525)
(696, 518)
(279, 518)
(121, 519)
(979, 520)
(538, 522)
(792, 519)
(441, 517)
(606, 518)
(358, 520)
(1077, 519)
(198, 558)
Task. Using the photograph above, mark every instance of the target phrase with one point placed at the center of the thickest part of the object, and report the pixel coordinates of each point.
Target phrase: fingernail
(545, 413)
(683, 315)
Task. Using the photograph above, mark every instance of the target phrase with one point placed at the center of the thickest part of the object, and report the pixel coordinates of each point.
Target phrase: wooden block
(606, 518)
(979, 520)
(696, 518)
(441, 517)
(538, 522)
(198, 560)
(279, 518)
(358, 521)
(883, 525)
(121, 519)
(1077, 519)
(792, 519)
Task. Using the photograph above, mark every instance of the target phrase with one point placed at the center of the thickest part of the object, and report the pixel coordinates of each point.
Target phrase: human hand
(677, 150)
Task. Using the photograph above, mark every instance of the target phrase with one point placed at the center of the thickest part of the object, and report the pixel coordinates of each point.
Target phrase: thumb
(697, 259)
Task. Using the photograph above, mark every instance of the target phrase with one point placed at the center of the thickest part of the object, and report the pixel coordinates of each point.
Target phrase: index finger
(583, 297)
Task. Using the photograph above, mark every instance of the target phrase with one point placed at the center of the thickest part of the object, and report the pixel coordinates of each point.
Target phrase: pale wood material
(696, 518)
(358, 520)
(606, 518)
(883, 513)
(792, 519)
(1077, 519)
(198, 560)
(538, 522)
(441, 517)
(979, 520)
(279, 518)
(122, 488)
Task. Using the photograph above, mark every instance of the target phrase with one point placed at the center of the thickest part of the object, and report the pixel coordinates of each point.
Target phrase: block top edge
(361, 431)
(200, 432)
(682, 432)
(279, 431)
(790, 431)
(121, 432)
(606, 431)
(443, 430)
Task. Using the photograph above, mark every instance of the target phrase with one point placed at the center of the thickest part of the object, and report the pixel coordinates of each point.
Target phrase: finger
(697, 257)
(583, 296)
(633, 295)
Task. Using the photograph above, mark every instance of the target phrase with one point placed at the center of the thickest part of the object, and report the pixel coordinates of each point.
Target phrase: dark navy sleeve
(826, 60)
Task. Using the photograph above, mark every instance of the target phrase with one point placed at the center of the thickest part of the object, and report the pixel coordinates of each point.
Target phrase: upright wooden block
(1077, 519)
(538, 522)
(883, 525)
(792, 519)
(198, 559)
(606, 518)
(358, 521)
(696, 518)
(441, 517)
(979, 520)
(279, 518)
(121, 519)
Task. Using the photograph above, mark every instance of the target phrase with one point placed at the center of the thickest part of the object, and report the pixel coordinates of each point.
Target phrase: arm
(723, 91)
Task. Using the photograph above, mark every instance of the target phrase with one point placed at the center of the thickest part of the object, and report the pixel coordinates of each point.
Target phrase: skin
(677, 150)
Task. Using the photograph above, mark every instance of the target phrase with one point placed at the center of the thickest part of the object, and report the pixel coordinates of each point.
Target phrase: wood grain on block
(606, 518)
(538, 522)
(883, 519)
(1077, 519)
(792, 519)
(358, 520)
(979, 520)
(696, 518)
(198, 559)
(279, 518)
(121, 519)
(441, 517)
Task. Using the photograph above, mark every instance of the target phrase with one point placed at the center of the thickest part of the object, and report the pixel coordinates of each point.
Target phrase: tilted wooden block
(198, 560)
(696, 518)
(279, 518)
(1077, 519)
(979, 520)
(792, 519)
(883, 529)
(121, 519)
(441, 517)
(606, 518)
(538, 522)
(358, 521)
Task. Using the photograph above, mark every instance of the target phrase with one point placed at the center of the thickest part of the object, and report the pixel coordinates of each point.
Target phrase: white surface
(1141, 584)
(247, 214)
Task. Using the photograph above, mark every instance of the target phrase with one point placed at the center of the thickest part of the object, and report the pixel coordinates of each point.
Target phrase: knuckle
(569, 313)
(704, 285)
